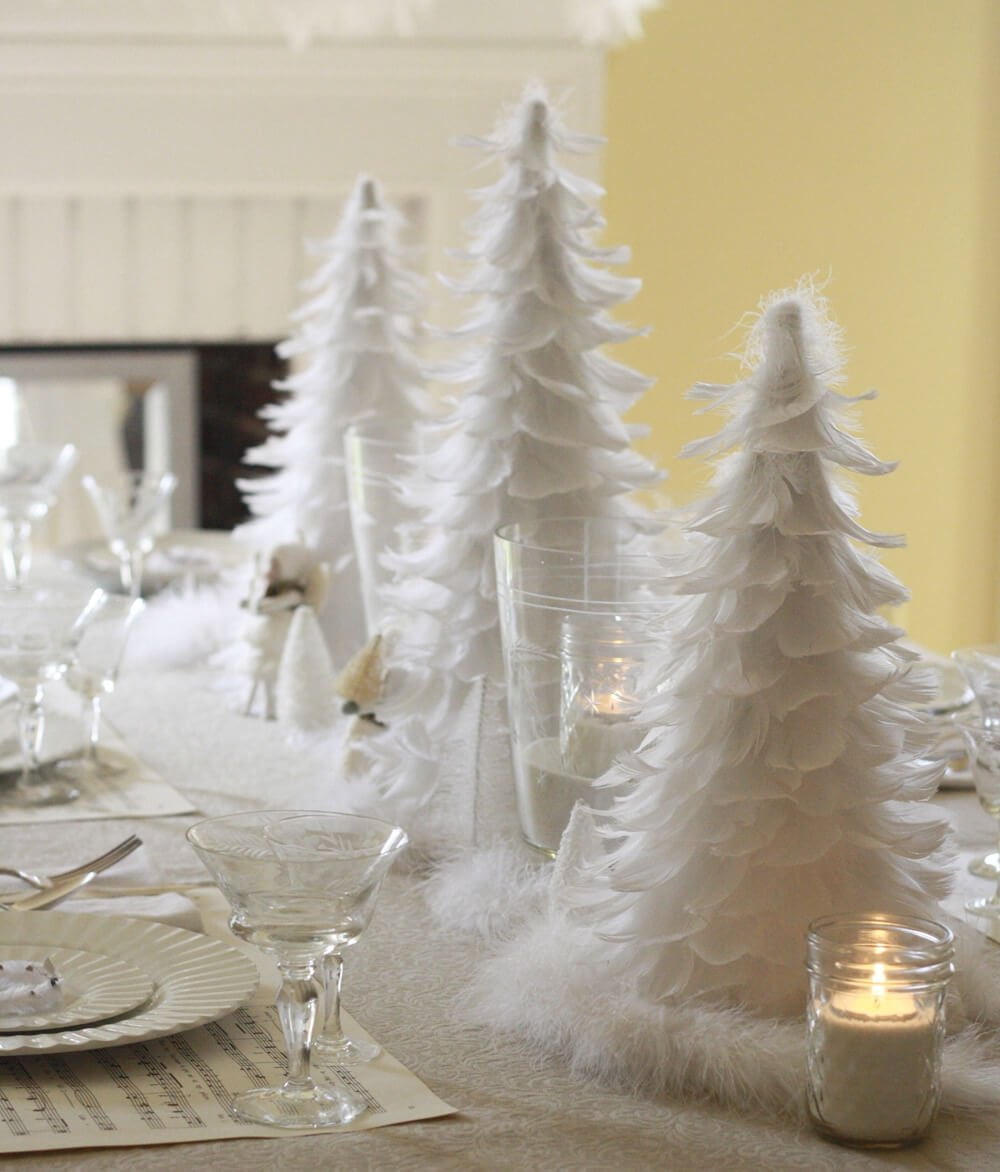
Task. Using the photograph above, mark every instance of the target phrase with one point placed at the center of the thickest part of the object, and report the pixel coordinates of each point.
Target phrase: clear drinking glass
(583, 602)
(92, 671)
(299, 894)
(30, 476)
(130, 510)
(40, 625)
(875, 1026)
(379, 453)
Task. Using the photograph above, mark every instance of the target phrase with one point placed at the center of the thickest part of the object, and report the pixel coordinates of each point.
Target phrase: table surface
(404, 983)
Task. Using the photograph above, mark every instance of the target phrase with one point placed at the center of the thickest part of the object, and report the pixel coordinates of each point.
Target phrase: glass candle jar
(582, 603)
(602, 660)
(875, 1022)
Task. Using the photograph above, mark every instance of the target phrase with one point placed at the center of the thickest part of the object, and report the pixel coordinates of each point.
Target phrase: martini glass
(297, 900)
(980, 666)
(92, 671)
(356, 853)
(129, 508)
(30, 476)
(39, 627)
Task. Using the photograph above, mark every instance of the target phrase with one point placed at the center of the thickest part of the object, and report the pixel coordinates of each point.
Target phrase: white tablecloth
(516, 1109)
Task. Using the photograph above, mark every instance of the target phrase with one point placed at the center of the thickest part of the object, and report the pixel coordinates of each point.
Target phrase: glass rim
(649, 526)
(393, 829)
(234, 819)
(385, 431)
(915, 949)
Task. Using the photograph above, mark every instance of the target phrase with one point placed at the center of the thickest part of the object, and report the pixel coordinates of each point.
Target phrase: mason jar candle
(875, 1023)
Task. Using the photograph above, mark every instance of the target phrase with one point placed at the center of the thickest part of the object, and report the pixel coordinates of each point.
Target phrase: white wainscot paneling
(165, 192)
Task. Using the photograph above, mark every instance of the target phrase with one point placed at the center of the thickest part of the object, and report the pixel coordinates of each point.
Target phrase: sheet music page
(177, 1089)
(134, 791)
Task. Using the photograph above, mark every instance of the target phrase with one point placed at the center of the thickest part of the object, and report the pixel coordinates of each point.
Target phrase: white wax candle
(546, 794)
(594, 739)
(876, 1050)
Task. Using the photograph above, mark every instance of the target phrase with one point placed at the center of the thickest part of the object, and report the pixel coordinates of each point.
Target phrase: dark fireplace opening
(207, 395)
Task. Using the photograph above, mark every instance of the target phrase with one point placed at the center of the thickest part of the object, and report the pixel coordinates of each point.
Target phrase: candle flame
(878, 980)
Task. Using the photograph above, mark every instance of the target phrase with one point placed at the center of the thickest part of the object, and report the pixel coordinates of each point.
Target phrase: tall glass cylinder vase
(379, 453)
(583, 605)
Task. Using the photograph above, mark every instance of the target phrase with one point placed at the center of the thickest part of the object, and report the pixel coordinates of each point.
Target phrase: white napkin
(169, 908)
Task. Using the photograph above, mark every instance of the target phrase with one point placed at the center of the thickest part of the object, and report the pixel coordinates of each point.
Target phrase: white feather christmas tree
(537, 432)
(784, 780)
(354, 344)
(781, 780)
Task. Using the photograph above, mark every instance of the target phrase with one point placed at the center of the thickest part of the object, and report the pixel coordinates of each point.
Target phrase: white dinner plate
(92, 988)
(196, 979)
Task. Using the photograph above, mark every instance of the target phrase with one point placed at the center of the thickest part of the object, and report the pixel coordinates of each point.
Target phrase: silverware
(36, 900)
(101, 863)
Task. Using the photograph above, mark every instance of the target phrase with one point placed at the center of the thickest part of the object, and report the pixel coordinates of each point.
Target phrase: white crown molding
(187, 21)
(67, 68)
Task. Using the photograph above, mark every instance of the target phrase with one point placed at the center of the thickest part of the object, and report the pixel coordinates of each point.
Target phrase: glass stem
(333, 979)
(93, 714)
(297, 1003)
(130, 571)
(30, 726)
(16, 551)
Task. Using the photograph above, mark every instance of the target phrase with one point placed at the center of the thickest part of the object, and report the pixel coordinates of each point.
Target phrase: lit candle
(546, 794)
(876, 1048)
(596, 729)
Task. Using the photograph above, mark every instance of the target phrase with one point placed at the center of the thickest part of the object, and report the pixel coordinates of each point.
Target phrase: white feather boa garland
(540, 980)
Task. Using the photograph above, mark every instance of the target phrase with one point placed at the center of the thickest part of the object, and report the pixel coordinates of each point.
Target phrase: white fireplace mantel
(160, 179)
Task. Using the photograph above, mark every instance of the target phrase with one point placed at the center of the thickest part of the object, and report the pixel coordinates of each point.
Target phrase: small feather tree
(355, 343)
(538, 432)
(783, 782)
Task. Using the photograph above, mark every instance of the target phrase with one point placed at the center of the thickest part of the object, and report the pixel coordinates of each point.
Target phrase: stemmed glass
(344, 839)
(92, 671)
(983, 741)
(980, 666)
(39, 626)
(299, 890)
(30, 476)
(128, 509)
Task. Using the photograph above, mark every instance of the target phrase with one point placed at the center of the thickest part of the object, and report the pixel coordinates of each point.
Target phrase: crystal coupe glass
(345, 845)
(39, 627)
(299, 890)
(30, 476)
(128, 509)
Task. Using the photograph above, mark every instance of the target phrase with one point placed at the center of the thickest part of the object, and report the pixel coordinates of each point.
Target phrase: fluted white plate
(195, 978)
(93, 988)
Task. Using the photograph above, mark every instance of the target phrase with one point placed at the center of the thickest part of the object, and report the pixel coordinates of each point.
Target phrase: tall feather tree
(537, 432)
(354, 356)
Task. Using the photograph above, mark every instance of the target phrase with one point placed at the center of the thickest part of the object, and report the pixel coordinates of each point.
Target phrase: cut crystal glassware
(40, 625)
(130, 511)
(30, 476)
(300, 887)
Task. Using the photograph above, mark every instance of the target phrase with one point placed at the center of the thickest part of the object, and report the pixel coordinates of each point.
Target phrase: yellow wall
(753, 141)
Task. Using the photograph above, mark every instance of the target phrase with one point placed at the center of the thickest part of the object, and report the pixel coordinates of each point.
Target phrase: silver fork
(49, 896)
(101, 863)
